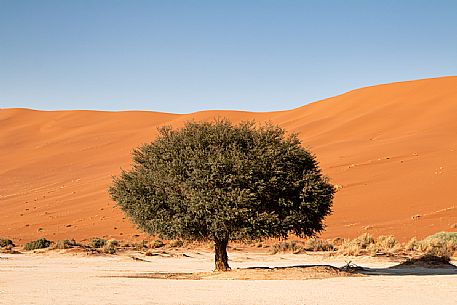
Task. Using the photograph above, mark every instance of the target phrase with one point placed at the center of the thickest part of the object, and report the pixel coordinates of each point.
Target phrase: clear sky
(185, 56)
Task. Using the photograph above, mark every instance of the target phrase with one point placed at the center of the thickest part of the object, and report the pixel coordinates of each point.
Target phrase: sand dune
(392, 149)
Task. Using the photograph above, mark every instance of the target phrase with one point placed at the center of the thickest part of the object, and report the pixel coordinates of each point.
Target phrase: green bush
(6, 242)
(97, 242)
(37, 244)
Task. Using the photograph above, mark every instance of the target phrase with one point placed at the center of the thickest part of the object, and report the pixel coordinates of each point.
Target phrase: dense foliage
(220, 181)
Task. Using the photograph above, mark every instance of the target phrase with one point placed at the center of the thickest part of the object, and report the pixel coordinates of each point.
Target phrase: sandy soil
(391, 149)
(80, 279)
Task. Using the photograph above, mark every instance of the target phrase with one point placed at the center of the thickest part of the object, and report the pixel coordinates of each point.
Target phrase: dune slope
(391, 149)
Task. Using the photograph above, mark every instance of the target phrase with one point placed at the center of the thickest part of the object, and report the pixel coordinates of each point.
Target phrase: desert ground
(77, 278)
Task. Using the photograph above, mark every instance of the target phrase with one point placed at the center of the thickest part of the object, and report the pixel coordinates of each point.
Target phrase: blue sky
(185, 56)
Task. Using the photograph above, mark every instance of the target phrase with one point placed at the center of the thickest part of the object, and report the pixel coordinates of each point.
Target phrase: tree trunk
(220, 255)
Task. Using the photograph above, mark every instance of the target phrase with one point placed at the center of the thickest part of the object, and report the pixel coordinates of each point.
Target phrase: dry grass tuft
(357, 246)
(110, 246)
(288, 246)
(66, 244)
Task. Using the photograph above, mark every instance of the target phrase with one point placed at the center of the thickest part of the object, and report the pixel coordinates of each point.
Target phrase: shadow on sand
(408, 271)
(427, 265)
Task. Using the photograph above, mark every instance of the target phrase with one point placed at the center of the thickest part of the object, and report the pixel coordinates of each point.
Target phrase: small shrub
(314, 244)
(386, 242)
(66, 244)
(384, 245)
(156, 244)
(97, 242)
(443, 243)
(350, 248)
(412, 245)
(37, 244)
(110, 246)
(337, 241)
(288, 246)
(435, 247)
(440, 250)
(150, 253)
(6, 242)
(140, 246)
(357, 246)
(280, 247)
(444, 236)
(176, 243)
(364, 240)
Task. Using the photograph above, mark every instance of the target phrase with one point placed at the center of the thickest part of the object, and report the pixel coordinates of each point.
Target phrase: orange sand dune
(391, 149)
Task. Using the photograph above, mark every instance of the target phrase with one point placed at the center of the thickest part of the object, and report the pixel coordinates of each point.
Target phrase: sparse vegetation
(384, 245)
(176, 243)
(356, 246)
(315, 244)
(156, 244)
(37, 244)
(6, 243)
(110, 246)
(149, 252)
(66, 244)
(442, 244)
(412, 245)
(140, 246)
(97, 242)
(288, 246)
(220, 182)
(450, 237)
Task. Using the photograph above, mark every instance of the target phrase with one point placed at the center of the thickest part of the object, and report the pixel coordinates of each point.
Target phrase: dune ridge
(390, 149)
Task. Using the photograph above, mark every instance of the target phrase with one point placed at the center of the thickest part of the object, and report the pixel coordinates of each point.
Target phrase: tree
(219, 181)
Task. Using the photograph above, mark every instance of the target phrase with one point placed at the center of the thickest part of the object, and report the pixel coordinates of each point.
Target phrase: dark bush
(97, 242)
(6, 242)
(37, 244)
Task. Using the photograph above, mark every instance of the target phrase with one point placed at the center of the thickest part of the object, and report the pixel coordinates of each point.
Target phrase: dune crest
(391, 150)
